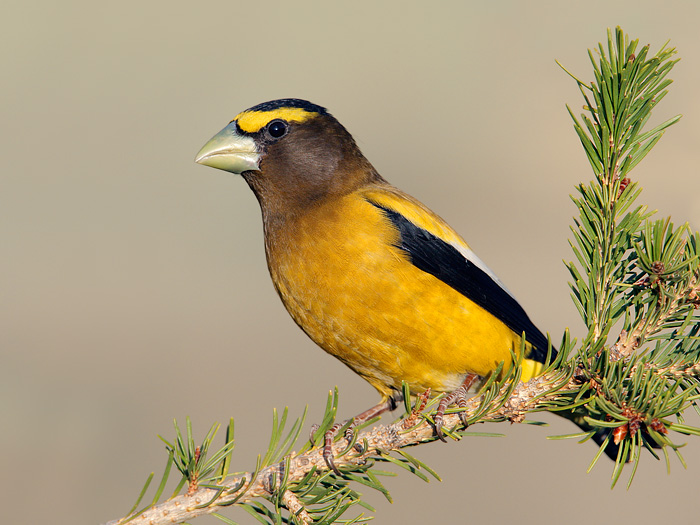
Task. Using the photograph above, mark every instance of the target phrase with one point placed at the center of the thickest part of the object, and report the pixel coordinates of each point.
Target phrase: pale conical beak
(230, 151)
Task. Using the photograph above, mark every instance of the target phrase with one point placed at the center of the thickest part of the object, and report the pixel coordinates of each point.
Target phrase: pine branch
(635, 283)
(285, 479)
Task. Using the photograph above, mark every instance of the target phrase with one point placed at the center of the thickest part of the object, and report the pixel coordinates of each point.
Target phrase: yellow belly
(361, 300)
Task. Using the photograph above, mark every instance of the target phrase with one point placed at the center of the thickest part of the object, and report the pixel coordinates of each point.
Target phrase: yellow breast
(359, 298)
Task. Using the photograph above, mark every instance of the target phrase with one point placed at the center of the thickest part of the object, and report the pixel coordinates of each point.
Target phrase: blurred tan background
(133, 287)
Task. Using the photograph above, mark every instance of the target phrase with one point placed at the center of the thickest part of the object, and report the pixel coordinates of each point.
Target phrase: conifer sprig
(634, 278)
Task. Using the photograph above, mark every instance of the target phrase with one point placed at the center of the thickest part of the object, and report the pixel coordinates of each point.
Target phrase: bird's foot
(328, 442)
(457, 397)
(328, 439)
(377, 410)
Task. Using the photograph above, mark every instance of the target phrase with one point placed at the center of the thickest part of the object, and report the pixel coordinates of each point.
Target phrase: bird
(368, 272)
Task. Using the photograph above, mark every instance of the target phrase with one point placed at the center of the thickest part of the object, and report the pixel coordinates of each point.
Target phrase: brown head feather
(316, 160)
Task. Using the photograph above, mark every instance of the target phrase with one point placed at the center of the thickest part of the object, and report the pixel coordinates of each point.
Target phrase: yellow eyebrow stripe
(254, 121)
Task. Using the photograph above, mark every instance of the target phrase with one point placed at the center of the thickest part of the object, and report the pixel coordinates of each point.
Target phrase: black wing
(442, 260)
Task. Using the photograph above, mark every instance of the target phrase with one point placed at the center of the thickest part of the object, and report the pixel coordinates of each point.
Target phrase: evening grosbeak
(371, 275)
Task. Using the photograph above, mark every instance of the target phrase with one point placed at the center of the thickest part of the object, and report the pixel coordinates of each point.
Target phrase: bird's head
(291, 152)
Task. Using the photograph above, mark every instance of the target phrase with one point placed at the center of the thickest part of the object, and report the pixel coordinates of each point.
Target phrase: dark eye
(277, 128)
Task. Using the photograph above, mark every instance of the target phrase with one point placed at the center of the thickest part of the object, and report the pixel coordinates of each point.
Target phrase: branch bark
(380, 439)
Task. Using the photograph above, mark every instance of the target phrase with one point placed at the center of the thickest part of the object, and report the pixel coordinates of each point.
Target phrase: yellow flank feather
(254, 121)
(380, 315)
(530, 369)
